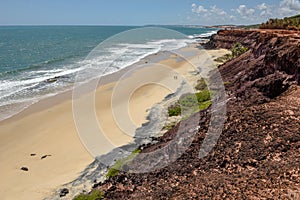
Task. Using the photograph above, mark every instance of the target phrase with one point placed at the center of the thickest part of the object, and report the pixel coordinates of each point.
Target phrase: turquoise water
(30, 56)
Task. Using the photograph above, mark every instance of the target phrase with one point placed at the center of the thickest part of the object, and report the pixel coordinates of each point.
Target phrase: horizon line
(2, 25)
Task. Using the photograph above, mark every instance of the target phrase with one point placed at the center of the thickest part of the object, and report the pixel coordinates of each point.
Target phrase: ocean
(41, 61)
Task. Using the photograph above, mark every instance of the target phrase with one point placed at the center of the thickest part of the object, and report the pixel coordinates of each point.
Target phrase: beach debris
(52, 80)
(33, 154)
(45, 156)
(25, 169)
(64, 192)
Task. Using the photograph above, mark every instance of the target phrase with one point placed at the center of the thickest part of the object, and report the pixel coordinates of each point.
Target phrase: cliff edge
(257, 155)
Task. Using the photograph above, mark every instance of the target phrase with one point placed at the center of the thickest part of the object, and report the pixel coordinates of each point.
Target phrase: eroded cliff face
(269, 68)
(257, 154)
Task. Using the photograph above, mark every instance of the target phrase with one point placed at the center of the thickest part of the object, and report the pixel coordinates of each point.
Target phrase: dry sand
(48, 128)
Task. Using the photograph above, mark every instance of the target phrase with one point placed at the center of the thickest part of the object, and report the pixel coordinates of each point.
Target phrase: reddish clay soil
(258, 153)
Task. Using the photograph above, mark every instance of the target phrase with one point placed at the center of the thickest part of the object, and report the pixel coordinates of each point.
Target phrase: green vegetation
(191, 103)
(201, 84)
(227, 83)
(174, 110)
(114, 170)
(95, 195)
(252, 26)
(290, 23)
(238, 49)
(224, 59)
(169, 126)
(204, 105)
(203, 96)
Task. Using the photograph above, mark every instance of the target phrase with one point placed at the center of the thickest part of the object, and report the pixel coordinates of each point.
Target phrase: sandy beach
(48, 129)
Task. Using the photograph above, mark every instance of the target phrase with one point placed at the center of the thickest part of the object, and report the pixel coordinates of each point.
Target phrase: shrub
(188, 100)
(191, 103)
(201, 84)
(174, 110)
(238, 49)
(203, 96)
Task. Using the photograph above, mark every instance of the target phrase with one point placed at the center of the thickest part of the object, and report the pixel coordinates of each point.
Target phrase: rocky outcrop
(269, 68)
(257, 155)
(227, 38)
(64, 192)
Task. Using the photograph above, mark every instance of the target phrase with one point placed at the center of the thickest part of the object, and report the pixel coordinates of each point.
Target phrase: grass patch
(169, 126)
(114, 170)
(95, 195)
(237, 50)
(203, 96)
(174, 110)
(224, 59)
(191, 103)
(204, 105)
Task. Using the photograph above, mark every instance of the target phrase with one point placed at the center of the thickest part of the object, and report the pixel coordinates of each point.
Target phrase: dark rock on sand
(64, 192)
(25, 169)
(45, 156)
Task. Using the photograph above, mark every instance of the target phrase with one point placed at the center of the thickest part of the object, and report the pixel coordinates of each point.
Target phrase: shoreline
(257, 154)
(43, 139)
(45, 102)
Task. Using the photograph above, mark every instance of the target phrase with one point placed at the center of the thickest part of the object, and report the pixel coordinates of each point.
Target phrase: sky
(143, 12)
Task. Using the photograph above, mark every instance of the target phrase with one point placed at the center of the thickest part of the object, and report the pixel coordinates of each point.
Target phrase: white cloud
(212, 15)
(244, 11)
(217, 11)
(198, 9)
(262, 6)
(283, 9)
(291, 4)
(265, 10)
(232, 17)
(289, 7)
(244, 14)
(194, 7)
(214, 10)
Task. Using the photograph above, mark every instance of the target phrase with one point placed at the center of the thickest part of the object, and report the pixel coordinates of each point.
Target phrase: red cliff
(269, 68)
(257, 154)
